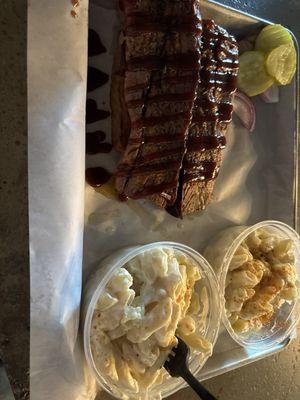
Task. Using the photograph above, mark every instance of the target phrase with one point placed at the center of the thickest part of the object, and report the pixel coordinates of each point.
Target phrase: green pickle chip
(271, 37)
(253, 78)
(281, 63)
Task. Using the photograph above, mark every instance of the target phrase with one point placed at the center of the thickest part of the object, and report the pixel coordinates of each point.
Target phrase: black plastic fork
(176, 365)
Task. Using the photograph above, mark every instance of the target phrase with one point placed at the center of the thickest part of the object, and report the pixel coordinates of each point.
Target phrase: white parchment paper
(255, 183)
(57, 60)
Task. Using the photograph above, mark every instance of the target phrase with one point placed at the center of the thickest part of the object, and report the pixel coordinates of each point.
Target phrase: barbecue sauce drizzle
(157, 64)
(219, 79)
(206, 170)
(122, 168)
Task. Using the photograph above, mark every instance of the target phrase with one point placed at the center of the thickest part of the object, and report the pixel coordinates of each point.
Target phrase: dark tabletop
(286, 12)
(14, 268)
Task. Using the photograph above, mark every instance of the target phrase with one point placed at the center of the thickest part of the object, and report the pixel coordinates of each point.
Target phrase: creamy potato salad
(147, 303)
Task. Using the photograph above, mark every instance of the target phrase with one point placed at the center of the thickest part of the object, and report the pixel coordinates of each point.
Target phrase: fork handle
(196, 385)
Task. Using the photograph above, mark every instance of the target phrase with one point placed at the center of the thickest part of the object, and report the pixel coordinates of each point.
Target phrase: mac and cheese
(154, 297)
(261, 277)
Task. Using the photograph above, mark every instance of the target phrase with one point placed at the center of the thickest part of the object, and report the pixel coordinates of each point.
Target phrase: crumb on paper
(75, 4)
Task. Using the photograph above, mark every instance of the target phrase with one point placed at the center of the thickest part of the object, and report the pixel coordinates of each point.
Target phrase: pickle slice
(271, 37)
(281, 63)
(253, 78)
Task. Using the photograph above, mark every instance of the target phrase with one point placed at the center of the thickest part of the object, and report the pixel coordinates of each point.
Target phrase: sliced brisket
(211, 116)
(161, 77)
(169, 117)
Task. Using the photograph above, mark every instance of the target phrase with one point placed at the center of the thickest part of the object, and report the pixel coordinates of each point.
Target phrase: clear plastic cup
(94, 288)
(219, 254)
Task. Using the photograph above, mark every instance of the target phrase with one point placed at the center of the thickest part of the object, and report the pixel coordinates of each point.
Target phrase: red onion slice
(271, 95)
(245, 111)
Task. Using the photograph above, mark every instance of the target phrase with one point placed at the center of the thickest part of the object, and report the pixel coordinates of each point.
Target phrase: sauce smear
(92, 112)
(95, 46)
(97, 177)
(94, 143)
(95, 79)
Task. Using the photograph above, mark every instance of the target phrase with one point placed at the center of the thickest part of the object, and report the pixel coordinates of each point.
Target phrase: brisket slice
(211, 115)
(120, 120)
(162, 40)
